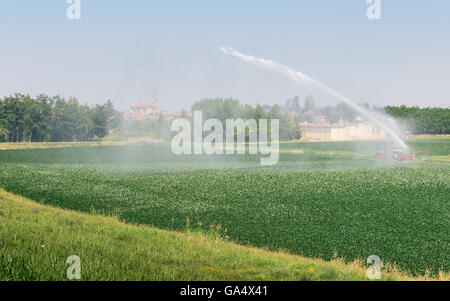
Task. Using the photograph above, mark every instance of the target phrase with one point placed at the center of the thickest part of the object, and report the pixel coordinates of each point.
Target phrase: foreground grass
(36, 240)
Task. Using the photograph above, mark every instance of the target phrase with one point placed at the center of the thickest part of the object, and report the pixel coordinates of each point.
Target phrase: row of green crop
(399, 213)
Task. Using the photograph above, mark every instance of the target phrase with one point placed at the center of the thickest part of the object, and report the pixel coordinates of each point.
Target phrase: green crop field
(323, 200)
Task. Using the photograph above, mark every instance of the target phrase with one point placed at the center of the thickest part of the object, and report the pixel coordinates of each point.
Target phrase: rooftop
(135, 105)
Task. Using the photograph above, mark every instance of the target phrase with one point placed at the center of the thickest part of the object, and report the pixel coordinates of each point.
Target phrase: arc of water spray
(297, 76)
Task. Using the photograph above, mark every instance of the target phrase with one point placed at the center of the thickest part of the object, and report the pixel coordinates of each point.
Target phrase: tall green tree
(27, 119)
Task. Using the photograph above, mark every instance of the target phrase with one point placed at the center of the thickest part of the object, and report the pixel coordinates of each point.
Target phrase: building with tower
(143, 111)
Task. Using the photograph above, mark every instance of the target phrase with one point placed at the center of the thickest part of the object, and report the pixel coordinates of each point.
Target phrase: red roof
(140, 106)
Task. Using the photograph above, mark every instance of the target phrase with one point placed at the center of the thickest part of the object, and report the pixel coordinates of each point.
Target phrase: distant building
(321, 119)
(151, 111)
(143, 111)
(341, 132)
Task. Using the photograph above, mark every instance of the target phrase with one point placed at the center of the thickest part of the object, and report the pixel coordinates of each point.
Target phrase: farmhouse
(341, 132)
(143, 111)
(151, 111)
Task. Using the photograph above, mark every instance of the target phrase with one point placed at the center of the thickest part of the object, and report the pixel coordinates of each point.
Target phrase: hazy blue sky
(122, 50)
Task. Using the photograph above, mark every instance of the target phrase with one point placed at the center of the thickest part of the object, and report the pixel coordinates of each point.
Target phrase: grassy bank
(36, 241)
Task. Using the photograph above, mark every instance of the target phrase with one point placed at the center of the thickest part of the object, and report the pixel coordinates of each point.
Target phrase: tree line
(422, 120)
(291, 114)
(229, 108)
(53, 119)
(294, 112)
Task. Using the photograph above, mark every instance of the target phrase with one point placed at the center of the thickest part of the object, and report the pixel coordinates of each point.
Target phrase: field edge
(37, 239)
